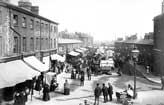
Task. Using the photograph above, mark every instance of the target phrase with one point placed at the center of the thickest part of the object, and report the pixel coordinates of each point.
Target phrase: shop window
(24, 22)
(15, 20)
(24, 44)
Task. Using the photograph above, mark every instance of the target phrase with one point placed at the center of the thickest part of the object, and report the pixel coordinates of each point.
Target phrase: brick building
(159, 42)
(145, 46)
(24, 31)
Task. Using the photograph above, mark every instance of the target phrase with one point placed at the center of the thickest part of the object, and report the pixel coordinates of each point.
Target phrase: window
(54, 43)
(42, 27)
(15, 20)
(47, 28)
(37, 44)
(23, 22)
(37, 26)
(50, 43)
(0, 45)
(42, 43)
(47, 45)
(16, 44)
(51, 29)
(24, 44)
(32, 44)
(31, 24)
(0, 17)
(55, 29)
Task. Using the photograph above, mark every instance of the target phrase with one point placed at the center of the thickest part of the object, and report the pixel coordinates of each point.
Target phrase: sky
(102, 19)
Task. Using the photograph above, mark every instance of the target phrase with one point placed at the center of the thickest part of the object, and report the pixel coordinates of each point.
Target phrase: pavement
(150, 77)
(148, 93)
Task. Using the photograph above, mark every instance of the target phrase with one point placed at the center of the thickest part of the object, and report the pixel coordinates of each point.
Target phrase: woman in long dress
(66, 88)
(46, 90)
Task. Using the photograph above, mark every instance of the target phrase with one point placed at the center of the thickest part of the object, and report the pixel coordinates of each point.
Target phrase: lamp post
(135, 54)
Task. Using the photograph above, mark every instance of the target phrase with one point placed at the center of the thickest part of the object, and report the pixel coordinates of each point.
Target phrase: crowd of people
(81, 70)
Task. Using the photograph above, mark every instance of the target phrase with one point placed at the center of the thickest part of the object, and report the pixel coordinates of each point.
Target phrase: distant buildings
(70, 41)
(85, 38)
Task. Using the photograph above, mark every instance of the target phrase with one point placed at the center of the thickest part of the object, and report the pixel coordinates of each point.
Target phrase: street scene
(81, 52)
(148, 93)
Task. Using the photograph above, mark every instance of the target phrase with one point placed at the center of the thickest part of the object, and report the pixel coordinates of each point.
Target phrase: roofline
(158, 17)
(19, 9)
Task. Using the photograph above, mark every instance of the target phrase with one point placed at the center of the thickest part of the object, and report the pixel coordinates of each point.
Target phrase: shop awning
(14, 72)
(37, 64)
(73, 53)
(57, 57)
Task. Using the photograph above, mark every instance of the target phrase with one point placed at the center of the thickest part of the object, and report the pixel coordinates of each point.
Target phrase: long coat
(82, 76)
(66, 88)
(105, 91)
(110, 90)
(53, 85)
(38, 85)
(46, 91)
(97, 91)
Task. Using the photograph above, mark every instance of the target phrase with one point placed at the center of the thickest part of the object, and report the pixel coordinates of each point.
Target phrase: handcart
(123, 98)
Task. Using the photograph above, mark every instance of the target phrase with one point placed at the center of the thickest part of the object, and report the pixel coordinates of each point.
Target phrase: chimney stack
(26, 4)
(162, 6)
(35, 10)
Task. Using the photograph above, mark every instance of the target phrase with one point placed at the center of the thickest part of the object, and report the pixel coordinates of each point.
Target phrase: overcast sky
(103, 19)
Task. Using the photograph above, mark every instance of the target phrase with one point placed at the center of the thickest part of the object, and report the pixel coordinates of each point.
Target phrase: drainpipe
(40, 42)
(16, 33)
(49, 47)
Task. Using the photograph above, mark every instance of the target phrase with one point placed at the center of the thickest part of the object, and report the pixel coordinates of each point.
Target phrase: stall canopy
(14, 72)
(84, 49)
(49, 76)
(73, 53)
(80, 51)
(57, 57)
(37, 64)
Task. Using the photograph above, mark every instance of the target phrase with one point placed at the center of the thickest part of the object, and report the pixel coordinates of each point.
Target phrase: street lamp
(135, 54)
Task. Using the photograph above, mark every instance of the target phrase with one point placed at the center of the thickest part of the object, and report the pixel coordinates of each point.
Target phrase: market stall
(35, 63)
(15, 72)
